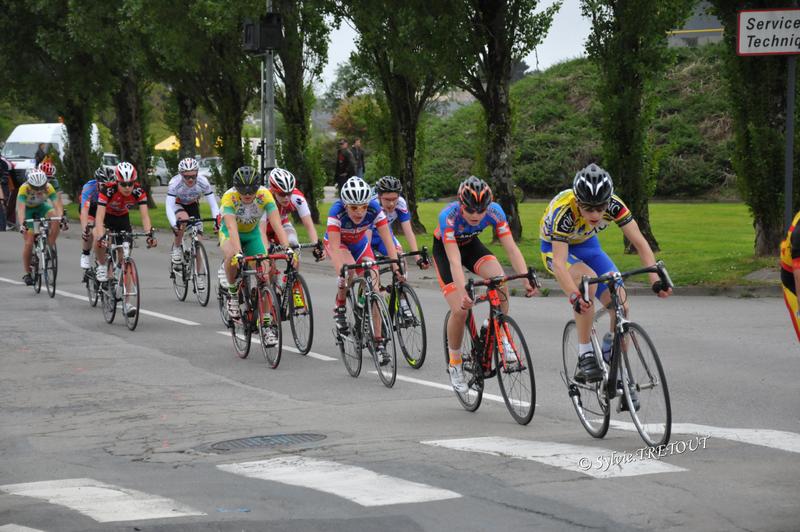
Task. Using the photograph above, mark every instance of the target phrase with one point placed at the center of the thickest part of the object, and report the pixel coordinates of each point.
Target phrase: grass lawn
(701, 243)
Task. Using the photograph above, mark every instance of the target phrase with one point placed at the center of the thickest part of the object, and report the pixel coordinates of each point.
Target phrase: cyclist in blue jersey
(89, 194)
(455, 244)
(346, 242)
(388, 192)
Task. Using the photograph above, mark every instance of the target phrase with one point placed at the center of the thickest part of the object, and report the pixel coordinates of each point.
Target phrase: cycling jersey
(297, 203)
(454, 228)
(247, 214)
(790, 247)
(181, 195)
(34, 198)
(562, 220)
(350, 232)
(116, 204)
(89, 193)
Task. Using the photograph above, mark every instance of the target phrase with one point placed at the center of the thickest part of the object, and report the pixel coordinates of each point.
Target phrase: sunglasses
(125, 184)
(278, 193)
(593, 208)
(357, 208)
(189, 177)
(470, 210)
(247, 191)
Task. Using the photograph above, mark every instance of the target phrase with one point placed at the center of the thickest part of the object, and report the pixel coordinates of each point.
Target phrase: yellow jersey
(789, 252)
(562, 220)
(247, 214)
(33, 198)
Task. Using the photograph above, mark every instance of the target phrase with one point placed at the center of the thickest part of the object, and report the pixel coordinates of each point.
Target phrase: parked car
(207, 165)
(158, 172)
(109, 162)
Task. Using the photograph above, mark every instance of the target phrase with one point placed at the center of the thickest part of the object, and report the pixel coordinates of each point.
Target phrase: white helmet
(282, 180)
(36, 178)
(355, 191)
(125, 172)
(187, 165)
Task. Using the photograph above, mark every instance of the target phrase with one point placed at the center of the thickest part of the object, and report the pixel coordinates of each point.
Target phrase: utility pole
(268, 108)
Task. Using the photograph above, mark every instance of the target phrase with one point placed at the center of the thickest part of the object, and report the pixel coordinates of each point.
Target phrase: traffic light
(262, 35)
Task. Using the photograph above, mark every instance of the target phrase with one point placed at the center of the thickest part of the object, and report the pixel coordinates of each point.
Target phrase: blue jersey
(89, 193)
(400, 212)
(339, 221)
(454, 228)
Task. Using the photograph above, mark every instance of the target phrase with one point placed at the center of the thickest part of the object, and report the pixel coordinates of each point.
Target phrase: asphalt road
(102, 428)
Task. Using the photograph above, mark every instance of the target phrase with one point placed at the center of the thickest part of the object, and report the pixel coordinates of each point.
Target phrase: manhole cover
(274, 440)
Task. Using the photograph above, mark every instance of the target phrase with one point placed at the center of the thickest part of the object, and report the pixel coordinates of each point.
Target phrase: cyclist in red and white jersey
(289, 199)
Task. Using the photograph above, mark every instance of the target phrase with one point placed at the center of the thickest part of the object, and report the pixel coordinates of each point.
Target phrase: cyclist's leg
(338, 260)
(362, 250)
(577, 269)
(591, 254)
(86, 244)
(479, 260)
(180, 214)
(29, 237)
(54, 226)
(455, 324)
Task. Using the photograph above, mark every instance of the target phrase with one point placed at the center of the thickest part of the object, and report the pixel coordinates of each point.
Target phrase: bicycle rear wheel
(301, 314)
(241, 329)
(200, 275)
(269, 325)
(517, 382)
(590, 400)
(92, 286)
(50, 270)
(179, 273)
(350, 343)
(130, 294)
(222, 303)
(36, 272)
(108, 293)
(473, 373)
(644, 375)
(411, 333)
(388, 371)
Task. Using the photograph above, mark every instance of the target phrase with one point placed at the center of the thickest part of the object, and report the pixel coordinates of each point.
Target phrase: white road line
(447, 387)
(105, 503)
(356, 484)
(18, 528)
(776, 439)
(310, 354)
(10, 281)
(596, 462)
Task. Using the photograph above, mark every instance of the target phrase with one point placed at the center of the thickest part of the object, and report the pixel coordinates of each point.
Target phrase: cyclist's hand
(319, 251)
(530, 290)
(466, 302)
(23, 228)
(64, 224)
(423, 263)
(102, 241)
(237, 259)
(218, 222)
(291, 255)
(399, 276)
(661, 290)
(579, 304)
(151, 242)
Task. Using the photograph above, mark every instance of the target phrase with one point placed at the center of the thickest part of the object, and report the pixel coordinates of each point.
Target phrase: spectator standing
(41, 153)
(345, 164)
(358, 155)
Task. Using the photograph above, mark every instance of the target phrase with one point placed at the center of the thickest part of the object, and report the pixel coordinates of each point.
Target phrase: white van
(20, 147)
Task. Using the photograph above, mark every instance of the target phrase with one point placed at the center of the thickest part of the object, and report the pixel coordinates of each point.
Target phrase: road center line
(446, 387)
(310, 354)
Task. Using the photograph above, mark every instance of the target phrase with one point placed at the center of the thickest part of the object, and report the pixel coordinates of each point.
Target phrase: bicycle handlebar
(193, 220)
(366, 264)
(612, 277)
(494, 282)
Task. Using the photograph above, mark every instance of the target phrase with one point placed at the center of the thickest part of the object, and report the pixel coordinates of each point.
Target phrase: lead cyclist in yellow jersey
(570, 249)
(790, 271)
(243, 206)
(36, 198)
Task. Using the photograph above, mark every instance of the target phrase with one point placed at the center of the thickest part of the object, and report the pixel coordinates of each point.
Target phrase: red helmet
(125, 172)
(48, 168)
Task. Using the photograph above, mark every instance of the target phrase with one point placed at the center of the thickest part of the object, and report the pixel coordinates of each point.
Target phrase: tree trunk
(76, 160)
(128, 102)
(296, 115)
(186, 109)
(769, 233)
(498, 157)
(408, 131)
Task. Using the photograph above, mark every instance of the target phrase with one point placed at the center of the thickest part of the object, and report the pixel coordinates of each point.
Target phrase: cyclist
(570, 249)
(289, 199)
(790, 271)
(112, 213)
(346, 242)
(89, 194)
(456, 244)
(36, 198)
(183, 202)
(243, 206)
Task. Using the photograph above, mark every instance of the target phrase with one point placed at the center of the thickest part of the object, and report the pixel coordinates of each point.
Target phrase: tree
(628, 43)
(487, 38)
(401, 47)
(301, 60)
(757, 93)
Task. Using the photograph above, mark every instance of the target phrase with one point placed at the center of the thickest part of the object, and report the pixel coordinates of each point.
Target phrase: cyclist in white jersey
(183, 202)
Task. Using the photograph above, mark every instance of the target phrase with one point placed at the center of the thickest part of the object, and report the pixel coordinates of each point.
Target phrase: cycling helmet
(388, 184)
(36, 178)
(593, 185)
(101, 175)
(475, 194)
(48, 168)
(125, 172)
(246, 180)
(187, 165)
(282, 180)
(355, 191)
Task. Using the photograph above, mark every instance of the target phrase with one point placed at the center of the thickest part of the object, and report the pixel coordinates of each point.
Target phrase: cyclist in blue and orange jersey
(347, 242)
(570, 249)
(89, 194)
(388, 190)
(243, 207)
(456, 245)
(36, 198)
(283, 186)
(790, 271)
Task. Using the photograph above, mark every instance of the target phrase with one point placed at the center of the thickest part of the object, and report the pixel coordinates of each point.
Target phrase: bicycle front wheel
(109, 296)
(222, 301)
(269, 325)
(473, 373)
(200, 275)
(383, 337)
(36, 271)
(50, 270)
(646, 393)
(130, 294)
(350, 342)
(240, 328)
(92, 287)
(590, 400)
(410, 326)
(515, 371)
(301, 315)
(180, 279)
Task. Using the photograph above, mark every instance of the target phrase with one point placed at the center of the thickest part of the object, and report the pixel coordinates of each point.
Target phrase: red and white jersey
(116, 204)
(297, 203)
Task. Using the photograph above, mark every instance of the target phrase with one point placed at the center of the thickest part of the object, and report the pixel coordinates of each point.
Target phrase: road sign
(768, 32)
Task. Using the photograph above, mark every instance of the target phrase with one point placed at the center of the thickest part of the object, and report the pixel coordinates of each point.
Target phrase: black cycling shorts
(473, 255)
(118, 223)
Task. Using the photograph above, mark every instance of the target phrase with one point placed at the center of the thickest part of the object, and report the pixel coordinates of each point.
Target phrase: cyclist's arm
(408, 231)
(99, 219)
(274, 219)
(233, 231)
(386, 237)
(646, 256)
(308, 223)
(84, 216)
(20, 213)
(170, 208)
(58, 205)
(145, 217)
(514, 254)
(212, 202)
(560, 270)
(335, 248)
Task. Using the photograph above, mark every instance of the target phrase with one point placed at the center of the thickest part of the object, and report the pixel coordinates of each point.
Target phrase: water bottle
(608, 338)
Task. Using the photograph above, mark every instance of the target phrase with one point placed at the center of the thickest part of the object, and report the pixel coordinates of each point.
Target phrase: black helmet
(475, 194)
(246, 180)
(102, 177)
(388, 184)
(593, 185)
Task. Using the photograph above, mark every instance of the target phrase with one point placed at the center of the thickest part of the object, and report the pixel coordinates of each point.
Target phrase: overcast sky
(565, 40)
